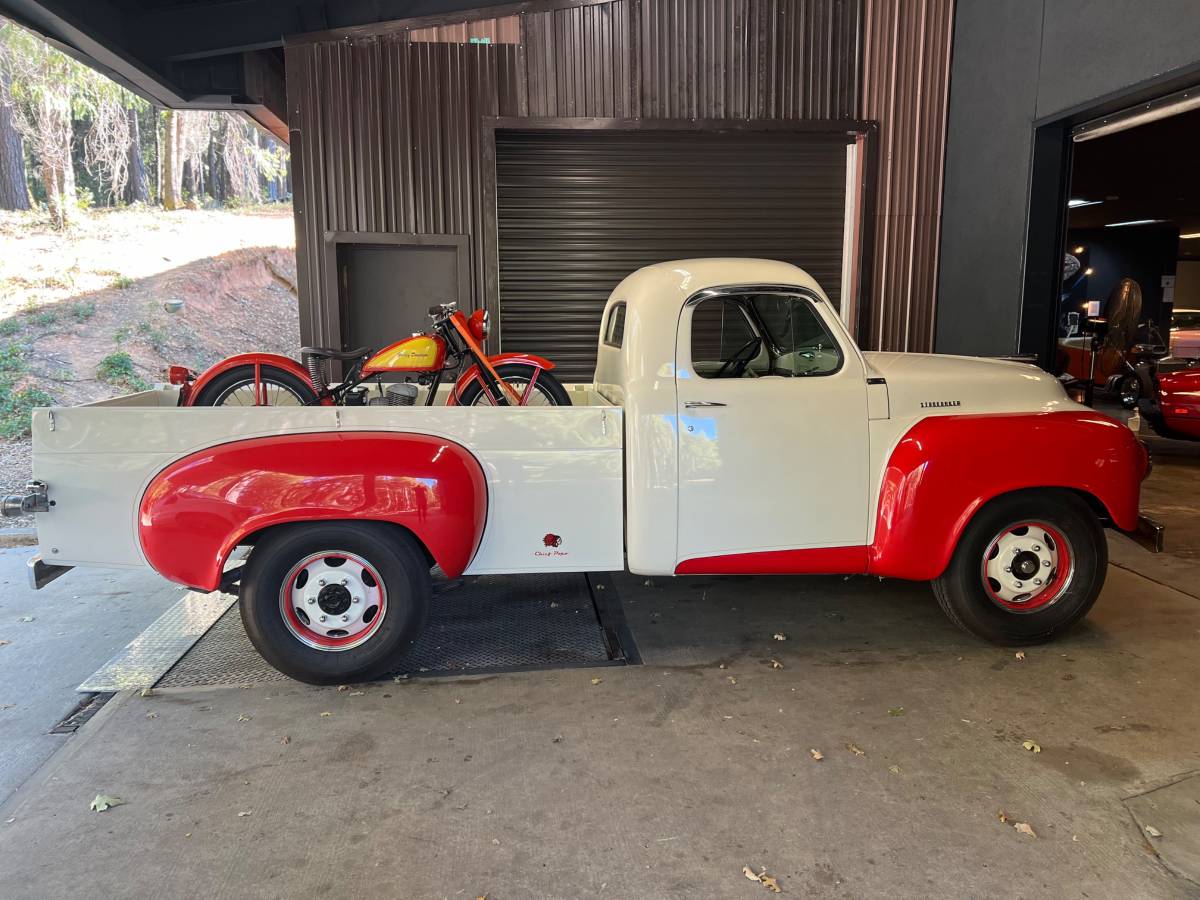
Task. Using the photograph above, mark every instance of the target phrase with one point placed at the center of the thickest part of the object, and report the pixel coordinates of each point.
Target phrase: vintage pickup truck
(733, 427)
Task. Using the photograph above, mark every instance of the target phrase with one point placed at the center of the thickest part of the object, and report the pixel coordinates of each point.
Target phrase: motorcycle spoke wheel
(243, 394)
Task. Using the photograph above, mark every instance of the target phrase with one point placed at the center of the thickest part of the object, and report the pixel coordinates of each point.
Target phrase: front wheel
(333, 602)
(536, 385)
(1028, 566)
(1129, 389)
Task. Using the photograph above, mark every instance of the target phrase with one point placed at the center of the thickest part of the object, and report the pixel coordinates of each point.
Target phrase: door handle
(704, 404)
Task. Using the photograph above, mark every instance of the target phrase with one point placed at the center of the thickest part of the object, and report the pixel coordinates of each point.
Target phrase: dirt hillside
(83, 315)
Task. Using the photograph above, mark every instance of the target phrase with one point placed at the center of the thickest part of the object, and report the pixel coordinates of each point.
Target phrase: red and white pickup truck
(733, 427)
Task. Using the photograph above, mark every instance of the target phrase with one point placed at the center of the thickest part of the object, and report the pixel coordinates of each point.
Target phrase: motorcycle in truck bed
(733, 427)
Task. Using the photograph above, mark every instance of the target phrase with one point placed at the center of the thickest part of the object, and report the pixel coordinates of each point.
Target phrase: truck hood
(922, 384)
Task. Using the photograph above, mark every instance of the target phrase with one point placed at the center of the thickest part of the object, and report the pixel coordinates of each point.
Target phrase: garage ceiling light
(1134, 222)
(1075, 204)
(1190, 237)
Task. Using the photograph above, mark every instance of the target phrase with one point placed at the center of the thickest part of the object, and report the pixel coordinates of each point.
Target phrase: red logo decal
(552, 540)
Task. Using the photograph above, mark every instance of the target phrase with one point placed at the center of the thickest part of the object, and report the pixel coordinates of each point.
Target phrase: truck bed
(556, 469)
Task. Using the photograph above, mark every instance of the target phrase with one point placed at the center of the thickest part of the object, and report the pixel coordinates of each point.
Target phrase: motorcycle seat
(330, 353)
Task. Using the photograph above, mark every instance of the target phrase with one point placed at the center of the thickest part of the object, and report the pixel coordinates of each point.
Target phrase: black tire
(553, 391)
(403, 572)
(966, 598)
(219, 391)
(1129, 389)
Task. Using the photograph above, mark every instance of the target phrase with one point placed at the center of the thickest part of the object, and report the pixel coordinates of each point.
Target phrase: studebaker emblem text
(938, 404)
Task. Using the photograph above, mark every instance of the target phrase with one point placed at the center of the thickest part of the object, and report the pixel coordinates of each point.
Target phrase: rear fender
(246, 359)
(472, 374)
(947, 467)
(198, 509)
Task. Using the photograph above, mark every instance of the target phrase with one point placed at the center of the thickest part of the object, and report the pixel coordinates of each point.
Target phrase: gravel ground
(16, 467)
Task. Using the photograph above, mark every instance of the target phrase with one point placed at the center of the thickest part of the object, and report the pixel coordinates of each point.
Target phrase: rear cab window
(614, 328)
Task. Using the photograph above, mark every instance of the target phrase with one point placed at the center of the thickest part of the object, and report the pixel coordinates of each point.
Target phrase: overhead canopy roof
(206, 54)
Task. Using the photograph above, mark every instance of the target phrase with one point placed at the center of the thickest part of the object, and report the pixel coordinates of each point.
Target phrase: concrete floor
(1171, 493)
(75, 624)
(662, 780)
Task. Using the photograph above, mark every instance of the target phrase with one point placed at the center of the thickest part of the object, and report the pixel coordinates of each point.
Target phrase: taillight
(179, 375)
(478, 325)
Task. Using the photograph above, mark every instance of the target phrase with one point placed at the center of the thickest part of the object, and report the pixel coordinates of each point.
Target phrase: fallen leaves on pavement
(776, 664)
(1020, 654)
(1152, 831)
(767, 881)
(855, 749)
(1025, 828)
(4, 643)
(816, 754)
(780, 636)
(1032, 746)
(597, 680)
(895, 770)
(326, 715)
(896, 711)
(25, 619)
(732, 680)
(103, 802)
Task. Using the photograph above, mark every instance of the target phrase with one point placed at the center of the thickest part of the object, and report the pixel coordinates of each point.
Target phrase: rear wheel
(542, 388)
(276, 387)
(335, 601)
(1028, 566)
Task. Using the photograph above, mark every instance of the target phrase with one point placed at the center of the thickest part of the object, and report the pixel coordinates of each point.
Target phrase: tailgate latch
(36, 499)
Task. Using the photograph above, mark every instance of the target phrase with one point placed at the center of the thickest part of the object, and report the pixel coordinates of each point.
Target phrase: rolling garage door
(577, 211)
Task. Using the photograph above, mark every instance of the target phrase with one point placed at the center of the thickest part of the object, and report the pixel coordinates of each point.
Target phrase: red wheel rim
(1027, 567)
(333, 601)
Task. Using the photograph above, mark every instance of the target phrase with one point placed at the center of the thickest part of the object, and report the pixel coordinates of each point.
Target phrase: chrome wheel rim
(538, 396)
(1027, 567)
(333, 601)
(243, 394)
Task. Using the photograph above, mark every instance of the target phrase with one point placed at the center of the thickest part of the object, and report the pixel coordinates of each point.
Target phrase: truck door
(773, 453)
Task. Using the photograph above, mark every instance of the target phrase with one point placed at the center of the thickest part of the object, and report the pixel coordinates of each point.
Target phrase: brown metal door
(577, 211)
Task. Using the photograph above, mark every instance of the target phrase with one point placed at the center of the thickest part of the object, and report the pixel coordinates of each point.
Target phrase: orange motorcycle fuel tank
(419, 353)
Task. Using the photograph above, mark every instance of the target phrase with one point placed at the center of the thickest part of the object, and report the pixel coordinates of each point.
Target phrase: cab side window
(755, 335)
(614, 329)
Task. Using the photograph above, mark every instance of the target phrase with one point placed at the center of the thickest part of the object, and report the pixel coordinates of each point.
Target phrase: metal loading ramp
(498, 623)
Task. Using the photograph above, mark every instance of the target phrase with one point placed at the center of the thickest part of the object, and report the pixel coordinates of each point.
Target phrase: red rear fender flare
(246, 359)
(197, 510)
(947, 467)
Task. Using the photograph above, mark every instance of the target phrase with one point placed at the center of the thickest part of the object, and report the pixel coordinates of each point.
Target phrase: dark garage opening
(578, 210)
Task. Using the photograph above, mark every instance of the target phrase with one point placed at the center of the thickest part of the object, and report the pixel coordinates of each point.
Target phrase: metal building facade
(393, 128)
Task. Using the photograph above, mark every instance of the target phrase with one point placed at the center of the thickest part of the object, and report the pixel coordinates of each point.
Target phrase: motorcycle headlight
(478, 324)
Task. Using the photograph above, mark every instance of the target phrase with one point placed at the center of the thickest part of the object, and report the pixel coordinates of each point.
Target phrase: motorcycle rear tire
(218, 391)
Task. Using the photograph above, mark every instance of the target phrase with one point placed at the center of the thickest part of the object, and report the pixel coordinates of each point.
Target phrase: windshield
(1187, 319)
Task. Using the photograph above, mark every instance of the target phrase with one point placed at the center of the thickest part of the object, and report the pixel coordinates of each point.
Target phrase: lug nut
(1008, 568)
(1037, 548)
(321, 582)
(1037, 581)
(345, 618)
(1046, 563)
(311, 601)
(1019, 584)
(322, 618)
(358, 599)
(345, 582)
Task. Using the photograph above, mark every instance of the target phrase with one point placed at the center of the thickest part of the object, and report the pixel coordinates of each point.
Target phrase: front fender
(946, 467)
(246, 359)
(198, 509)
(472, 374)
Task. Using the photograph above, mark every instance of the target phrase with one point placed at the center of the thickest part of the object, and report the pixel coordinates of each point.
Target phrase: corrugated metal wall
(387, 132)
(906, 79)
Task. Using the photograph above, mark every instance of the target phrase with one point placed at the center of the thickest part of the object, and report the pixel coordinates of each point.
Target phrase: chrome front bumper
(1148, 534)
